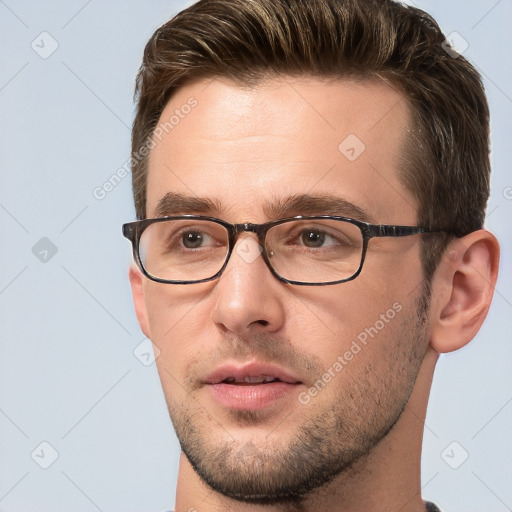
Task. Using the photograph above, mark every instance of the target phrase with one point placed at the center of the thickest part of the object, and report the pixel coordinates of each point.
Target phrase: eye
(194, 239)
(316, 238)
(189, 236)
(312, 238)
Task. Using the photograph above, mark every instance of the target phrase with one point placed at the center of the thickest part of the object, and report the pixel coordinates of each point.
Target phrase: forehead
(247, 147)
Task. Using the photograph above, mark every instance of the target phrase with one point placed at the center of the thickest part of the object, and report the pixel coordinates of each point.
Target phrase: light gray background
(68, 374)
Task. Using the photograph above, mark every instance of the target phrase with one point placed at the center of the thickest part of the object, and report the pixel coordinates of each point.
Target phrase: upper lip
(253, 369)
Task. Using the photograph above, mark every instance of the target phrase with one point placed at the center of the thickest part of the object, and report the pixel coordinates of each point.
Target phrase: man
(310, 178)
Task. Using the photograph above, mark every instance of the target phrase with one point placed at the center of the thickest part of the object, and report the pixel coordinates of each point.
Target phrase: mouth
(253, 373)
(250, 381)
(252, 386)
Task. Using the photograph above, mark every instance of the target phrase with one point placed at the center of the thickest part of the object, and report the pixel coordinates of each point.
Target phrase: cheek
(177, 317)
(169, 306)
(341, 311)
(371, 365)
(355, 326)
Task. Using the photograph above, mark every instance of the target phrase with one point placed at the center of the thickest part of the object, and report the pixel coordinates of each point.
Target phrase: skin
(242, 148)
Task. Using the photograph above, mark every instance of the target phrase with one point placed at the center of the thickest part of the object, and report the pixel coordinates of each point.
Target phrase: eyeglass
(302, 250)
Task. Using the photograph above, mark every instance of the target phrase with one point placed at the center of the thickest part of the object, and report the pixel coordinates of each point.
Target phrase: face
(275, 389)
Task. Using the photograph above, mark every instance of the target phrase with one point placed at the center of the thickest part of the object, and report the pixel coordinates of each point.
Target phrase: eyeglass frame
(134, 230)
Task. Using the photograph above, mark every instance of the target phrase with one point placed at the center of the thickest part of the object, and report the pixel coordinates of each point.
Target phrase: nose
(249, 298)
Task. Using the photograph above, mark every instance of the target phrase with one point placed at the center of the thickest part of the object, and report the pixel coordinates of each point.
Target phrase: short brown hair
(446, 165)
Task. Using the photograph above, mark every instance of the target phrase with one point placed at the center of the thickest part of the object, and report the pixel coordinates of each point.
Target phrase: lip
(253, 369)
(248, 396)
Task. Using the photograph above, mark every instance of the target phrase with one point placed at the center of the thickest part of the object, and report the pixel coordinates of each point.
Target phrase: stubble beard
(323, 446)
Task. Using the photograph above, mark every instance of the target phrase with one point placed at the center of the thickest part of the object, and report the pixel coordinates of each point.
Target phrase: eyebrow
(306, 204)
(173, 203)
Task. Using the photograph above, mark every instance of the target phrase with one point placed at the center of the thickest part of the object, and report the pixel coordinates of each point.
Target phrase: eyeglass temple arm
(377, 230)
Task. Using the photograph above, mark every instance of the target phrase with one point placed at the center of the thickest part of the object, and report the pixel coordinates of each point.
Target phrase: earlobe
(462, 290)
(139, 302)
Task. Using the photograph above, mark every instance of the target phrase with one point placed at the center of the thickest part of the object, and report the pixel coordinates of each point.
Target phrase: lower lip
(250, 397)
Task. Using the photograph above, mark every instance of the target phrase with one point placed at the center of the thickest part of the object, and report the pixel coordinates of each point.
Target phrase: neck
(388, 478)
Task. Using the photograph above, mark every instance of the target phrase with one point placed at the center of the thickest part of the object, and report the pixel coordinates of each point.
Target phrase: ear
(462, 290)
(136, 278)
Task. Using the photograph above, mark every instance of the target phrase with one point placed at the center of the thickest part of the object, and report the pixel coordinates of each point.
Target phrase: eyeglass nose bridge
(247, 226)
(260, 231)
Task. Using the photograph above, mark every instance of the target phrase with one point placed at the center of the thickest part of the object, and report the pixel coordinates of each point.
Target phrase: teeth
(252, 380)
(258, 379)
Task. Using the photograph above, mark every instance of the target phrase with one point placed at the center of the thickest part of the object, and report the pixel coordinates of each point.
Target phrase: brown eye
(313, 238)
(192, 240)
